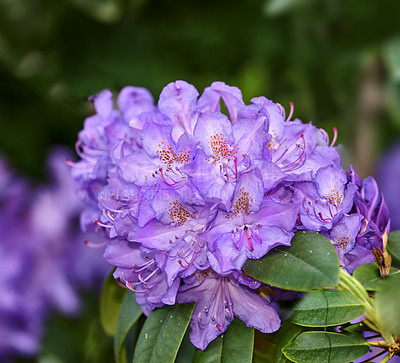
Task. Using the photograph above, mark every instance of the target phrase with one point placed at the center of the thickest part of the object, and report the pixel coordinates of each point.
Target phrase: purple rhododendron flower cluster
(187, 194)
(43, 256)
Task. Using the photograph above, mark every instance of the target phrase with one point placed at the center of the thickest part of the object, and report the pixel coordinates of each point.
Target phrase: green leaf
(286, 334)
(391, 52)
(277, 7)
(310, 347)
(235, 345)
(327, 308)
(107, 11)
(162, 333)
(186, 350)
(394, 244)
(111, 297)
(129, 313)
(309, 263)
(387, 306)
(370, 277)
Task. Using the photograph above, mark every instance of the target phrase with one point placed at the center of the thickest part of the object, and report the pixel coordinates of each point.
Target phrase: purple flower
(343, 237)
(388, 175)
(139, 271)
(296, 148)
(254, 225)
(21, 309)
(181, 189)
(371, 204)
(362, 229)
(325, 199)
(44, 261)
(219, 298)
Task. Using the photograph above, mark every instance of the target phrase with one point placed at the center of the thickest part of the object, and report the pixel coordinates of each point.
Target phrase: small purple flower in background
(44, 260)
(21, 310)
(60, 249)
(388, 176)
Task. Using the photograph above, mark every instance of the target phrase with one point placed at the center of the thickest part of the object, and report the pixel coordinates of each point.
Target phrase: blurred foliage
(337, 60)
(316, 53)
(78, 339)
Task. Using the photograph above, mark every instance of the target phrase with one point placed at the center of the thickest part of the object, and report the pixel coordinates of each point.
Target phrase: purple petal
(157, 139)
(213, 128)
(178, 101)
(225, 257)
(253, 309)
(123, 253)
(139, 168)
(232, 97)
(249, 192)
(271, 174)
(209, 318)
(103, 103)
(271, 237)
(273, 213)
(132, 101)
(251, 136)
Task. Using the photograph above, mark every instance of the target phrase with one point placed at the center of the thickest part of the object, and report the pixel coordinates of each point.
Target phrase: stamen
(242, 204)
(281, 109)
(109, 208)
(222, 149)
(301, 159)
(249, 241)
(325, 135)
(78, 165)
(291, 111)
(335, 133)
(78, 149)
(179, 213)
(95, 245)
(140, 268)
(240, 244)
(101, 224)
(169, 157)
(175, 184)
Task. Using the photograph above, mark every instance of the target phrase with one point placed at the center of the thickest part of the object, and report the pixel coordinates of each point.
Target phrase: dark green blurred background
(337, 60)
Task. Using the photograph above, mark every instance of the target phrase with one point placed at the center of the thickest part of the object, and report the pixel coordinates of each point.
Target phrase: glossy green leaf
(319, 346)
(129, 313)
(286, 334)
(394, 244)
(186, 350)
(162, 333)
(327, 308)
(235, 345)
(370, 277)
(111, 297)
(309, 263)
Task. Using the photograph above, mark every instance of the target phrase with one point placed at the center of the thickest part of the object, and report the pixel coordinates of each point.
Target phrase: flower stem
(386, 359)
(352, 285)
